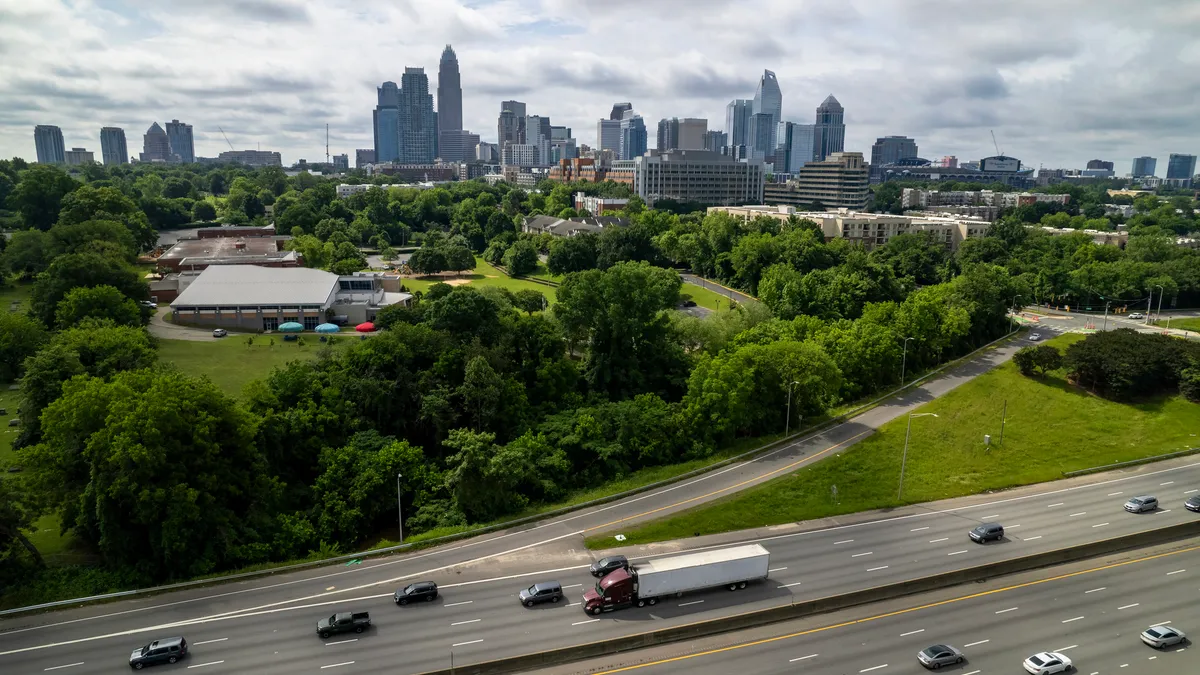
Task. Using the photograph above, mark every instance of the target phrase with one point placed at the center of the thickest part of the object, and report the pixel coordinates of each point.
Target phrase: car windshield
(1155, 632)
(599, 589)
(1035, 660)
(409, 588)
(145, 649)
(532, 589)
(934, 650)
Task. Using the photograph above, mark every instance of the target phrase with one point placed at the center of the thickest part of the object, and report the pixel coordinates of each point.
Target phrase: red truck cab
(617, 589)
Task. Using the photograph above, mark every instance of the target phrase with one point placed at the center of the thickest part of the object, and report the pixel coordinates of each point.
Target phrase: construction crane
(226, 138)
(998, 153)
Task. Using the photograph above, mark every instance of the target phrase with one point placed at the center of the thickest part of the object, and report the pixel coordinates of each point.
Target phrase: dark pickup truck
(343, 622)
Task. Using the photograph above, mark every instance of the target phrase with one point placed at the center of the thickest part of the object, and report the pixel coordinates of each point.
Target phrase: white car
(1137, 315)
(1047, 663)
(219, 332)
(1034, 337)
(1163, 636)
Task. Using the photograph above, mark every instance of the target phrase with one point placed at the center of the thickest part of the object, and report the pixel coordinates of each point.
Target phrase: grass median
(1051, 427)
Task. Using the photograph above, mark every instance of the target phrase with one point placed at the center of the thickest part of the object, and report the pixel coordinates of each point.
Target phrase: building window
(310, 322)
(270, 323)
(292, 319)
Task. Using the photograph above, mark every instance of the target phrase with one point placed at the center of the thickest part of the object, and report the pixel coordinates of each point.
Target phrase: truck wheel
(641, 603)
(596, 610)
(733, 587)
(359, 629)
(653, 601)
(324, 636)
(742, 585)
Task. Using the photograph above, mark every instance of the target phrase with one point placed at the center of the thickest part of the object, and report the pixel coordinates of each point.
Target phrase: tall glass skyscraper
(113, 149)
(794, 146)
(1181, 167)
(768, 100)
(737, 120)
(156, 147)
(830, 134)
(633, 136)
(418, 122)
(1144, 166)
(452, 142)
(48, 140)
(387, 123)
(182, 144)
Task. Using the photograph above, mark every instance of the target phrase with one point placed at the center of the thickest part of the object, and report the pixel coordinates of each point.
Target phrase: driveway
(161, 328)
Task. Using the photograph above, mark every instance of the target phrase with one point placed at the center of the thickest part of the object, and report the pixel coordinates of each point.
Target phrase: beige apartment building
(871, 229)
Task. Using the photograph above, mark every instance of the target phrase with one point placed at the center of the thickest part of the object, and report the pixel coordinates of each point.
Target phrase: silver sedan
(939, 655)
(1163, 636)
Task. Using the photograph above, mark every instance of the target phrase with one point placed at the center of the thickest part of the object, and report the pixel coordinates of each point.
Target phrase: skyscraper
(48, 140)
(511, 128)
(539, 135)
(888, 150)
(737, 120)
(1100, 164)
(830, 136)
(1181, 167)
(794, 146)
(633, 136)
(418, 123)
(1144, 166)
(692, 131)
(668, 134)
(454, 147)
(156, 147)
(179, 135)
(760, 136)
(608, 135)
(715, 140)
(387, 123)
(768, 100)
(113, 149)
(618, 111)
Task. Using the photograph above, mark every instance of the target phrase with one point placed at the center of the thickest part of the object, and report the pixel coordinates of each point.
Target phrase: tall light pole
(1013, 307)
(1149, 308)
(399, 511)
(904, 461)
(1161, 292)
(904, 361)
(787, 427)
(1106, 304)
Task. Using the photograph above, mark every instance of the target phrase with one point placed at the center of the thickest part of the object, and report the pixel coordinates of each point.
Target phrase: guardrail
(806, 608)
(762, 449)
(1132, 462)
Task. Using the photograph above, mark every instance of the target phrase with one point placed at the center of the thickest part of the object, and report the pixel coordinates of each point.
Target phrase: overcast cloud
(1059, 82)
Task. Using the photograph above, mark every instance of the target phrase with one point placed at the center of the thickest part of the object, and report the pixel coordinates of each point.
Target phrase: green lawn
(9, 399)
(544, 274)
(1051, 427)
(15, 292)
(1181, 324)
(704, 297)
(484, 275)
(230, 363)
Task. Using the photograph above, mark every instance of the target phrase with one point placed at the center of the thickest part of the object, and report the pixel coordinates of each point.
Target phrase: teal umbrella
(328, 328)
(290, 327)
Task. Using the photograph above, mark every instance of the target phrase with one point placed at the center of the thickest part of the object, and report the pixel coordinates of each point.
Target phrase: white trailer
(731, 567)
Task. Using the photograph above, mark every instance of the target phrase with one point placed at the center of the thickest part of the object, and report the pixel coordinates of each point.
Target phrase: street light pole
(1161, 292)
(1013, 307)
(904, 460)
(1149, 308)
(904, 361)
(399, 512)
(787, 427)
(1106, 304)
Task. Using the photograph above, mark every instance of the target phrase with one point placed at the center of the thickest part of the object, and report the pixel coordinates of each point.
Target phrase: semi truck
(649, 582)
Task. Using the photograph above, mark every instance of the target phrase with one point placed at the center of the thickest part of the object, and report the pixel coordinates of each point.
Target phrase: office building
(682, 134)
(598, 206)
(839, 181)
(449, 93)
(1005, 170)
(830, 134)
(77, 156)
(668, 134)
(487, 152)
(252, 157)
(457, 145)
(113, 149)
(1181, 168)
(633, 136)
(768, 100)
(697, 176)
(737, 120)
(1144, 166)
(519, 154)
(363, 157)
(715, 140)
(386, 120)
(511, 125)
(418, 123)
(48, 140)
(608, 135)
(341, 163)
(156, 147)
(539, 135)
(179, 136)
(889, 150)
(1100, 164)
(618, 111)
(761, 135)
(794, 146)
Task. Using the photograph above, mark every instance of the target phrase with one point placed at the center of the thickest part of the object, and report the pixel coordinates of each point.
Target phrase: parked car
(421, 591)
(1140, 504)
(343, 622)
(939, 655)
(545, 591)
(986, 532)
(1192, 504)
(169, 650)
(1047, 663)
(1137, 315)
(1163, 636)
(220, 332)
(148, 304)
(605, 565)
(1034, 337)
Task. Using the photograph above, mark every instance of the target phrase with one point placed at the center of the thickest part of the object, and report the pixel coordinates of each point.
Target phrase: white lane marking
(1032, 538)
(210, 663)
(1152, 658)
(1130, 606)
(1096, 590)
(1160, 623)
(876, 569)
(1081, 513)
(912, 632)
(973, 644)
(208, 642)
(1123, 665)
(463, 644)
(1114, 494)
(976, 672)
(859, 555)
(573, 586)
(867, 670)
(1072, 619)
(844, 541)
(1175, 572)
(1170, 482)
(777, 569)
(934, 541)
(69, 665)
(1190, 492)
(918, 529)
(463, 623)
(1010, 609)
(336, 665)
(456, 604)
(580, 623)
(685, 604)
(790, 585)
(1050, 506)
(958, 552)
(340, 642)
(1012, 527)
(1063, 649)
(810, 656)
(1099, 524)
(573, 604)
(1164, 511)
(994, 515)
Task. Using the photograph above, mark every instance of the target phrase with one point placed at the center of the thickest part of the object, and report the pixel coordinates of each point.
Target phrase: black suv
(422, 590)
(987, 531)
(546, 591)
(605, 565)
(169, 650)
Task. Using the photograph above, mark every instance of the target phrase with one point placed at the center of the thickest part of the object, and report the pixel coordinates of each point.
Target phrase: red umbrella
(367, 327)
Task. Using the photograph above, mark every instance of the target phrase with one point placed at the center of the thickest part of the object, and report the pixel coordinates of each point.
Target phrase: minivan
(546, 591)
(1139, 504)
(169, 650)
(987, 531)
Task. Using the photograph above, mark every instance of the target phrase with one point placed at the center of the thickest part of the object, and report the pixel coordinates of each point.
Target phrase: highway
(1092, 612)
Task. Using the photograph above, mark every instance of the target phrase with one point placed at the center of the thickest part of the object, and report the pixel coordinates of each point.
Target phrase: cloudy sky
(1059, 81)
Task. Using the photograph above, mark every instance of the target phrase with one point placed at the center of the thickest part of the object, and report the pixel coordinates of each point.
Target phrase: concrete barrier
(805, 608)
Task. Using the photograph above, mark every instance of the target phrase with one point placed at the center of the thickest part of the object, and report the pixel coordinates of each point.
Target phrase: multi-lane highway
(1091, 612)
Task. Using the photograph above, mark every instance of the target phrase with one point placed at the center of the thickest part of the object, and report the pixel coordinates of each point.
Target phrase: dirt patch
(456, 282)
(491, 276)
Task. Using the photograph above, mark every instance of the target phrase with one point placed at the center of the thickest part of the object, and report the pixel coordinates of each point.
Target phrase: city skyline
(135, 67)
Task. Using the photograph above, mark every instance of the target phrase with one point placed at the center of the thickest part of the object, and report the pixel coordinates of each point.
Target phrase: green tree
(1042, 358)
(204, 212)
(28, 253)
(465, 313)
(521, 258)
(572, 254)
(97, 302)
(529, 300)
(39, 194)
(428, 260)
(20, 337)
(82, 270)
(481, 391)
(16, 517)
(95, 236)
(108, 204)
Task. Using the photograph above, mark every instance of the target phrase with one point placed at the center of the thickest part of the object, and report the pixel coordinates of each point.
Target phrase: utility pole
(1149, 308)
(399, 509)
(1003, 417)
(904, 461)
(1161, 292)
(904, 361)
(787, 427)
(1106, 304)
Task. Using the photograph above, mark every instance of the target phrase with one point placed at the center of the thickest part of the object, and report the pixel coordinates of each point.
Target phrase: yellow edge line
(899, 612)
(759, 477)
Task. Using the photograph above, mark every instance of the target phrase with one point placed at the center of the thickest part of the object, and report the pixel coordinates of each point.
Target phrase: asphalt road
(1092, 612)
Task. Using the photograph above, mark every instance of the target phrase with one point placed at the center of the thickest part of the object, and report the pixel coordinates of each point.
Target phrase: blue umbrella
(328, 328)
(290, 327)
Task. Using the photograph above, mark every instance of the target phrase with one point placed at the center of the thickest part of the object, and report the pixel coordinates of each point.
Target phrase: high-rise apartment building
(737, 120)
(113, 149)
(156, 147)
(794, 146)
(341, 163)
(363, 157)
(768, 100)
(830, 134)
(179, 135)
(1181, 167)
(387, 124)
(633, 136)
(889, 150)
(418, 122)
(48, 140)
(715, 140)
(1144, 166)
(77, 156)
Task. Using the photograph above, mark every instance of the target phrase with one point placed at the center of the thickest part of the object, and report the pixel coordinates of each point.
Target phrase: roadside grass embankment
(1051, 427)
